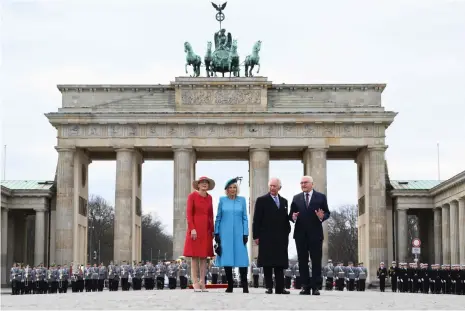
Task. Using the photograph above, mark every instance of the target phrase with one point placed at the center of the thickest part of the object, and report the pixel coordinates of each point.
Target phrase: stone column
(437, 236)
(377, 231)
(259, 163)
(445, 235)
(39, 243)
(402, 234)
(182, 189)
(123, 205)
(64, 216)
(5, 270)
(318, 173)
(454, 232)
(461, 218)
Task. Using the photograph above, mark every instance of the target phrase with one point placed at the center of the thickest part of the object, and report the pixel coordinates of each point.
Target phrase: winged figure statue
(219, 8)
(223, 41)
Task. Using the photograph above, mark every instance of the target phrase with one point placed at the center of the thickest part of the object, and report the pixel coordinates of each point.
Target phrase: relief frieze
(220, 97)
(223, 130)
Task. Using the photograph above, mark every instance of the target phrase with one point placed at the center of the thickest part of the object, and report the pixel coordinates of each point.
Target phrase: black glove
(245, 239)
(217, 239)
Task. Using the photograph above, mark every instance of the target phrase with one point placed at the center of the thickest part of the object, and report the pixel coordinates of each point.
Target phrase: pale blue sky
(416, 47)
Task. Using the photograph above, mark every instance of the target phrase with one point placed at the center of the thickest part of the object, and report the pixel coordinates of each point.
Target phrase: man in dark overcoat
(271, 230)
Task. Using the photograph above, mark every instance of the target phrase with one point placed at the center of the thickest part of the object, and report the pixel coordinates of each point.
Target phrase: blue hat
(232, 181)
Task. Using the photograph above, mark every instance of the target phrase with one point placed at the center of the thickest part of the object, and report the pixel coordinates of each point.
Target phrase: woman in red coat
(200, 229)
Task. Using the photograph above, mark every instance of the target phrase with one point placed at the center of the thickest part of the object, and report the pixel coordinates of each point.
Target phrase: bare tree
(343, 234)
(156, 244)
(101, 217)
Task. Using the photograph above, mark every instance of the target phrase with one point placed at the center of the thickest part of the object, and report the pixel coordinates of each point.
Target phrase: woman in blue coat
(231, 234)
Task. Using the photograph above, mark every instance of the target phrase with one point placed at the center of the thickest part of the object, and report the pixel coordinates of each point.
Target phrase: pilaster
(259, 170)
(462, 231)
(437, 235)
(445, 235)
(39, 243)
(123, 238)
(65, 216)
(4, 241)
(81, 197)
(402, 234)
(136, 206)
(182, 188)
(454, 232)
(377, 230)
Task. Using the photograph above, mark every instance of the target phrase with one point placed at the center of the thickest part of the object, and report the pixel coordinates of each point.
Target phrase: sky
(415, 47)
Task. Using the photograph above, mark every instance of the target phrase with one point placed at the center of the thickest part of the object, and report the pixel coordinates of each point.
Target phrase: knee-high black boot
(244, 283)
(229, 278)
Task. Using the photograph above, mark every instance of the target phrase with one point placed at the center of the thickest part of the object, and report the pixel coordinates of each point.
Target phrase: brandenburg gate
(213, 118)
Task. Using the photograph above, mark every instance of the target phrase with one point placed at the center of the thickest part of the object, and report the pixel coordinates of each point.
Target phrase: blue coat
(232, 224)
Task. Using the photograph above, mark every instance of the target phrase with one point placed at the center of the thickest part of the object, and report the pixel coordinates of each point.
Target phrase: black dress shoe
(269, 291)
(316, 292)
(305, 291)
(283, 292)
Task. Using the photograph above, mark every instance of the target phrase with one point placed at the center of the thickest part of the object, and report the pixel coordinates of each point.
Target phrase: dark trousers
(382, 284)
(224, 279)
(100, 285)
(242, 273)
(160, 282)
(351, 285)
(287, 282)
(214, 278)
(136, 284)
(329, 283)
(305, 246)
(297, 283)
(113, 284)
(172, 283)
(255, 280)
(394, 283)
(183, 282)
(279, 278)
(361, 285)
(125, 284)
(149, 283)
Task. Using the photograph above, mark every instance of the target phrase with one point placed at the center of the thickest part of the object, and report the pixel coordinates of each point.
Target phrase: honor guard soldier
(160, 273)
(124, 276)
(183, 275)
(74, 271)
(113, 277)
(297, 280)
(81, 278)
(172, 275)
(224, 279)
(41, 275)
(350, 276)
(455, 280)
(403, 278)
(462, 279)
(382, 274)
(53, 279)
(328, 274)
(149, 276)
(416, 278)
(27, 280)
(15, 280)
(88, 278)
(102, 276)
(287, 277)
(255, 274)
(215, 273)
(393, 276)
(137, 277)
(424, 278)
(339, 272)
(63, 279)
(435, 279)
(94, 277)
(446, 279)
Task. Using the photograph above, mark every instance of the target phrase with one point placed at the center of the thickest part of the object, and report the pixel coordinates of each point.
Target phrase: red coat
(199, 217)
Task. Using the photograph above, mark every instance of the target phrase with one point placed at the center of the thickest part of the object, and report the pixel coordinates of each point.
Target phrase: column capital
(182, 148)
(454, 202)
(377, 148)
(40, 209)
(403, 209)
(124, 149)
(259, 148)
(65, 149)
(444, 206)
(317, 148)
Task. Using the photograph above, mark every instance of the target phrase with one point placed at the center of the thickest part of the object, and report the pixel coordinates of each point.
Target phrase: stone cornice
(6, 191)
(410, 193)
(32, 193)
(190, 82)
(385, 118)
(451, 182)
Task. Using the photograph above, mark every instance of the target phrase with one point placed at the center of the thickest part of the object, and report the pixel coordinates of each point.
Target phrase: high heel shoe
(202, 287)
(196, 287)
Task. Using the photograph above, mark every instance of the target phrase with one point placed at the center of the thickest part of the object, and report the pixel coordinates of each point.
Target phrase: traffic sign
(416, 250)
(416, 243)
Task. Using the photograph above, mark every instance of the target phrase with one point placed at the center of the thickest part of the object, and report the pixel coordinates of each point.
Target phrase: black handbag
(218, 249)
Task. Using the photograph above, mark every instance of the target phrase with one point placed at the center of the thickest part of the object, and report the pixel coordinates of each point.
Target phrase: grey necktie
(276, 201)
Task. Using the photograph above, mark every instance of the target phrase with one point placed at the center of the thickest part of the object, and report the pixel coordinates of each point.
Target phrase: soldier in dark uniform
(351, 275)
(223, 276)
(102, 276)
(462, 279)
(297, 281)
(137, 276)
(425, 278)
(183, 275)
(362, 277)
(328, 274)
(172, 275)
(416, 280)
(255, 274)
(402, 278)
(435, 279)
(382, 274)
(160, 273)
(149, 276)
(288, 277)
(215, 273)
(14, 279)
(392, 272)
(455, 280)
(445, 279)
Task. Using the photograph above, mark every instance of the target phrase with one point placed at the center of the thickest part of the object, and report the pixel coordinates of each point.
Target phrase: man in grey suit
(309, 209)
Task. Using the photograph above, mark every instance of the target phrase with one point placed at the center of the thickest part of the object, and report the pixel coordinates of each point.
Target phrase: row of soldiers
(57, 279)
(420, 278)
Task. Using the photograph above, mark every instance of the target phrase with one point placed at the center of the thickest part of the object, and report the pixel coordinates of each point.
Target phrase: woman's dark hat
(232, 181)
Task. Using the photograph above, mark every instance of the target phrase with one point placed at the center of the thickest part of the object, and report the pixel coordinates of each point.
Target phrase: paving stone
(218, 300)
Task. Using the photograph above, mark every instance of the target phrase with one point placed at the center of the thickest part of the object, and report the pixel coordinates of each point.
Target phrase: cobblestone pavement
(219, 300)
